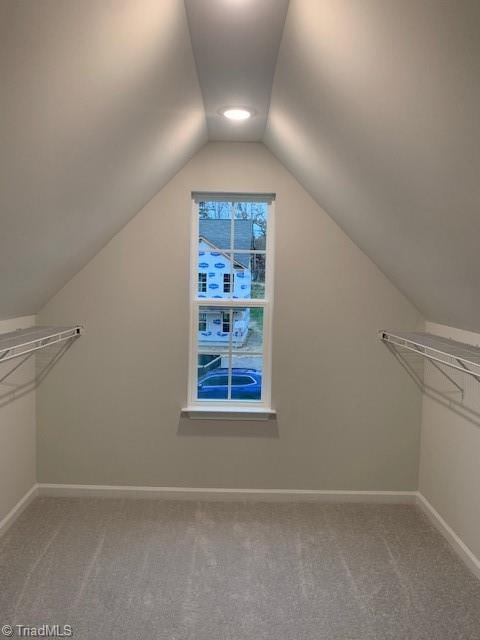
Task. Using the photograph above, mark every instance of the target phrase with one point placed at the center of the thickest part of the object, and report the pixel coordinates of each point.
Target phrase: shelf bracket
(442, 353)
(467, 370)
(455, 384)
(21, 344)
(19, 364)
(406, 365)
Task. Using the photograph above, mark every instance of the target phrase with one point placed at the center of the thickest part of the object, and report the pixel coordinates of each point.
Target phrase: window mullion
(230, 302)
(232, 246)
(229, 395)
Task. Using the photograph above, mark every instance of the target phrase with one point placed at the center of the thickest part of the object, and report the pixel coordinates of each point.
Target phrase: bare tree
(254, 211)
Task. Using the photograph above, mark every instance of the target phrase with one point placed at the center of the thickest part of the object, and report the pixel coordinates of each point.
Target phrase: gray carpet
(146, 569)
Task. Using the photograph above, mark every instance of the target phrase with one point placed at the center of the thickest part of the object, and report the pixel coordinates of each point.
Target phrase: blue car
(246, 385)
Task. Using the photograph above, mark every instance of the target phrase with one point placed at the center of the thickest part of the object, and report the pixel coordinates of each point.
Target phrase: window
(226, 321)
(228, 282)
(202, 283)
(202, 321)
(231, 301)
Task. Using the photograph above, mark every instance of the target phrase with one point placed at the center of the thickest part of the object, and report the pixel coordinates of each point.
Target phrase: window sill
(228, 413)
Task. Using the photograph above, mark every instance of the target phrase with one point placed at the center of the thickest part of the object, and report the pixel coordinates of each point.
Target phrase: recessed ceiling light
(236, 113)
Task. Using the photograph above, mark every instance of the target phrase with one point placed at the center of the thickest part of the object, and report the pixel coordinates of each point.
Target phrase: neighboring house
(221, 275)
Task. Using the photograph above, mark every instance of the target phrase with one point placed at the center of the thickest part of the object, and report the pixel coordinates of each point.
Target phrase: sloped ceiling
(375, 109)
(99, 106)
(235, 43)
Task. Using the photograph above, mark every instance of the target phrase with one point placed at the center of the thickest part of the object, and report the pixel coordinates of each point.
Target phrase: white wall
(17, 429)
(450, 448)
(348, 416)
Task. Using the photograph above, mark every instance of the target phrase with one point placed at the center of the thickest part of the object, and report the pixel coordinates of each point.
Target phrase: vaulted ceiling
(375, 109)
(235, 43)
(372, 105)
(100, 106)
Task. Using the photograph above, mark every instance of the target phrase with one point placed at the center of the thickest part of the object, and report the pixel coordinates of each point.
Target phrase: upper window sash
(232, 248)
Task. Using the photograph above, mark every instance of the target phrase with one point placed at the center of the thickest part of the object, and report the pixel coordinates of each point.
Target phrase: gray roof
(217, 232)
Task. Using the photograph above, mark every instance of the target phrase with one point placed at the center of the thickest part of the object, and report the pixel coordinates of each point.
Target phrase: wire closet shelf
(442, 351)
(24, 342)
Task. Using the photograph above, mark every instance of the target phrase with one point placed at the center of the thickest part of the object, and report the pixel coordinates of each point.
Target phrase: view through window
(231, 300)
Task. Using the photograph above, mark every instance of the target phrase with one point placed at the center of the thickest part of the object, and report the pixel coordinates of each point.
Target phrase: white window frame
(228, 321)
(230, 283)
(201, 282)
(202, 321)
(245, 409)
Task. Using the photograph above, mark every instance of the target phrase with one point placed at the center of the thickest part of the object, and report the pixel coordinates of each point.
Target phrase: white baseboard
(190, 493)
(21, 505)
(461, 549)
(258, 495)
